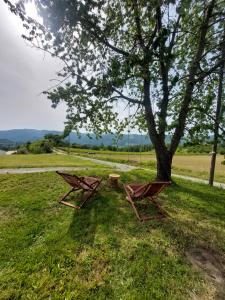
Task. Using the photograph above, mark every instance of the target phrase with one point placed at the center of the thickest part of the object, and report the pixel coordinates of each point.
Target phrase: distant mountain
(24, 135)
(6, 142)
(108, 139)
(21, 136)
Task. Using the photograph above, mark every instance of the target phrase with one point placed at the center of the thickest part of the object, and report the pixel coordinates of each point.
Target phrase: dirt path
(125, 167)
(121, 167)
(195, 179)
(38, 170)
(118, 166)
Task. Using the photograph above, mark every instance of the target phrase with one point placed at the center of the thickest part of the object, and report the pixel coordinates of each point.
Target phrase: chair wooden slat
(86, 184)
(136, 192)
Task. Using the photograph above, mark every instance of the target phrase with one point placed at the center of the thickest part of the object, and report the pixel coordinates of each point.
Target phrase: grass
(108, 152)
(42, 160)
(50, 251)
(190, 165)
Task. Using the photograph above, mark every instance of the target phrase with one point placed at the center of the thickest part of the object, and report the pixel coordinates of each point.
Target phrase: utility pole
(218, 113)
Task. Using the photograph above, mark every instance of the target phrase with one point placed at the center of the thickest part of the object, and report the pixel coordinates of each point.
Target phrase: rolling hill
(20, 136)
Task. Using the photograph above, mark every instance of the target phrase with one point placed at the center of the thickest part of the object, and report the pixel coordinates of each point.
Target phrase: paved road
(195, 179)
(120, 167)
(38, 170)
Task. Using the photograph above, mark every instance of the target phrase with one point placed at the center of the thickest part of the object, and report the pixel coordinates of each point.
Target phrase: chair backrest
(75, 181)
(152, 188)
(72, 180)
(157, 187)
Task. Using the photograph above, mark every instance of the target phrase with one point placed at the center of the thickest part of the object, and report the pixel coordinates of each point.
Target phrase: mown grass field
(42, 160)
(49, 251)
(190, 165)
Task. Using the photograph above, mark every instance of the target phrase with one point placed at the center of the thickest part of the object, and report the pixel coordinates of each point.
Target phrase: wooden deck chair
(88, 185)
(136, 192)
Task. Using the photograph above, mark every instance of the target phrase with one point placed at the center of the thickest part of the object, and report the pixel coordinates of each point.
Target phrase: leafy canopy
(111, 47)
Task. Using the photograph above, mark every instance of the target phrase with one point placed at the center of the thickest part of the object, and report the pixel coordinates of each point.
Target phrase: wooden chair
(88, 185)
(137, 192)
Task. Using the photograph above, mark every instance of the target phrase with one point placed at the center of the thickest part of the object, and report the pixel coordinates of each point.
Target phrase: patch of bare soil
(212, 268)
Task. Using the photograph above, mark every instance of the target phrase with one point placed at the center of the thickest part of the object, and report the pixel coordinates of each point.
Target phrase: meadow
(42, 160)
(49, 251)
(196, 165)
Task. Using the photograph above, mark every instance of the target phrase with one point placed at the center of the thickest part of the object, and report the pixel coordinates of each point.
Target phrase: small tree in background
(56, 140)
(40, 147)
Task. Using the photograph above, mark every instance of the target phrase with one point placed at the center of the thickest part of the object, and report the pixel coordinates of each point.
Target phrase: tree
(56, 139)
(154, 55)
(41, 146)
(208, 118)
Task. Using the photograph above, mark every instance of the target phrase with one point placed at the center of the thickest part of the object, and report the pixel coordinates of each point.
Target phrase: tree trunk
(213, 163)
(163, 156)
(194, 66)
(218, 113)
(164, 165)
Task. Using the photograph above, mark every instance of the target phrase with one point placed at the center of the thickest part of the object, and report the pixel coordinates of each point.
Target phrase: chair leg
(162, 213)
(69, 204)
(65, 195)
(86, 198)
(61, 201)
(90, 194)
(134, 208)
(129, 199)
(159, 207)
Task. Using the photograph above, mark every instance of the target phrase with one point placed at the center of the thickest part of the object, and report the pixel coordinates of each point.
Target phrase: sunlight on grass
(102, 251)
(42, 160)
(190, 165)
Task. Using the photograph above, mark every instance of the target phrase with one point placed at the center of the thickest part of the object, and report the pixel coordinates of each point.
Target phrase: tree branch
(210, 116)
(179, 130)
(209, 71)
(174, 35)
(98, 34)
(130, 100)
(164, 75)
(138, 24)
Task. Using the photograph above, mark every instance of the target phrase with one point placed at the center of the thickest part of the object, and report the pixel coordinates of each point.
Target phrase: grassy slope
(102, 252)
(42, 160)
(190, 165)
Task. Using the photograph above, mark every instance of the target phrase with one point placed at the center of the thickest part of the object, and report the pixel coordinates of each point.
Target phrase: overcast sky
(24, 73)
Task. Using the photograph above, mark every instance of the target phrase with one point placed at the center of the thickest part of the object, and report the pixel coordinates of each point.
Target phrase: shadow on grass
(99, 218)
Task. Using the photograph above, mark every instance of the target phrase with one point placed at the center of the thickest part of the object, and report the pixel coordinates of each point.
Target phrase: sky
(24, 73)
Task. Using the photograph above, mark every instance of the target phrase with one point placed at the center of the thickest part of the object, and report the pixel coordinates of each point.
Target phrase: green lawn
(49, 251)
(188, 164)
(42, 160)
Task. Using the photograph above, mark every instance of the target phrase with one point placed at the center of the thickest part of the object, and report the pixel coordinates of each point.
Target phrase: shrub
(22, 150)
(41, 146)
